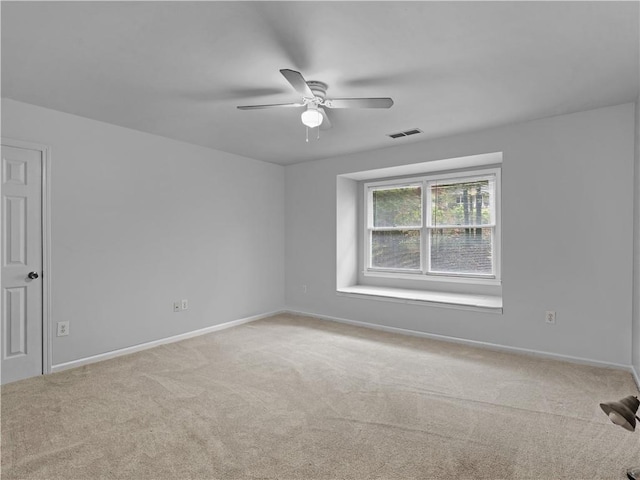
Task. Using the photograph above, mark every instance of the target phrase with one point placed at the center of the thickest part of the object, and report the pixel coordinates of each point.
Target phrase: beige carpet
(298, 398)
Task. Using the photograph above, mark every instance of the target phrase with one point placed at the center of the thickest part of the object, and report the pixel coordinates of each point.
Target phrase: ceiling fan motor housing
(319, 89)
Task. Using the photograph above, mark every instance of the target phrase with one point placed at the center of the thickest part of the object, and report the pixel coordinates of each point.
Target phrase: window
(435, 226)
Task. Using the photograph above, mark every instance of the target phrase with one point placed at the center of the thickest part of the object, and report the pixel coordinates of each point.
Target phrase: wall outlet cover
(63, 329)
(550, 316)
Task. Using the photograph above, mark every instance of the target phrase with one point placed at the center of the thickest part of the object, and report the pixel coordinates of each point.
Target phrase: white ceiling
(179, 69)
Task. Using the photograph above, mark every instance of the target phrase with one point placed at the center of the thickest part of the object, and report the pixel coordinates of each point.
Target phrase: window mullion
(426, 242)
(369, 245)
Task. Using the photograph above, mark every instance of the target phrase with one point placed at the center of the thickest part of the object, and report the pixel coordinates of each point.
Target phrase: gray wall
(567, 236)
(139, 221)
(636, 263)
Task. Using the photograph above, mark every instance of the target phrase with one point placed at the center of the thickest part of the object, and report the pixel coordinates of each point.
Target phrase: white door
(22, 294)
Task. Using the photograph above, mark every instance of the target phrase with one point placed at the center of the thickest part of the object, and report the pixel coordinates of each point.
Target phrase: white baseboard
(475, 343)
(144, 346)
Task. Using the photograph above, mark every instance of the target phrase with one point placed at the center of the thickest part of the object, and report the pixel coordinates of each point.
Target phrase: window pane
(397, 207)
(395, 249)
(468, 203)
(461, 250)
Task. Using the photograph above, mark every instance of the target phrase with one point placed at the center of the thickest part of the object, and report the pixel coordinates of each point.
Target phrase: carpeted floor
(298, 398)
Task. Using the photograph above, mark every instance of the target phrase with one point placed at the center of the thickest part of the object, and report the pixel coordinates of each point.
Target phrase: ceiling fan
(314, 99)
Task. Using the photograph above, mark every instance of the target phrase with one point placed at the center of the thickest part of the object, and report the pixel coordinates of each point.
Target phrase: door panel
(15, 301)
(21, 329)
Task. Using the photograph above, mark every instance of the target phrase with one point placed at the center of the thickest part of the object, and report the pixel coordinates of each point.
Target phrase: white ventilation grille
(406, 133)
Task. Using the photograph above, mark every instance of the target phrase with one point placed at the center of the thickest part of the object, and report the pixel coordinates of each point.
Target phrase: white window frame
(424, 273)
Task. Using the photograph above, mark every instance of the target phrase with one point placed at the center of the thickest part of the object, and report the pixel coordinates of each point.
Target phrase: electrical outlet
(63, 329)
(176, 306)
(550, 317)
(185, 304)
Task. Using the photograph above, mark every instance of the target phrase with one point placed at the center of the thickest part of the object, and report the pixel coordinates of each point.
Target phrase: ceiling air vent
(406, 133)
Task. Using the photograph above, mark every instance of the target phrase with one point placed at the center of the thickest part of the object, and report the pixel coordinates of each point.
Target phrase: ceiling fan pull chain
(307, 129)
(318, 133)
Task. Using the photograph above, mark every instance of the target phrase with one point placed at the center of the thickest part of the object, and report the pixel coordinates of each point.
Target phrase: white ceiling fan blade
(358, 102)
(273, 105)
(326, 122)
(298, 82)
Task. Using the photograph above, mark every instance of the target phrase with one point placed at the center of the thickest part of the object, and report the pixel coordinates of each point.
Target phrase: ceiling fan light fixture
(312, 117)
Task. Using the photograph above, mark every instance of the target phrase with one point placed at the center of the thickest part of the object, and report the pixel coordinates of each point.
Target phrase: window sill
(482, 303)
